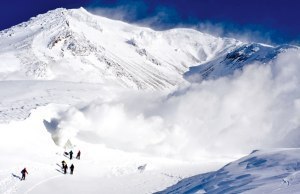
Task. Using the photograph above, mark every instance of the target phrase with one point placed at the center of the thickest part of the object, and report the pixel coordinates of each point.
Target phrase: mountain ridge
(227, 63)
(77, 46)
(103, 50)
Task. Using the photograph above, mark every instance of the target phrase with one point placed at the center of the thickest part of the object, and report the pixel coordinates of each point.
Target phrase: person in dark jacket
(24, 172)
(71, 154)
(72, 168)
(65, 168)
(78, 155)
(63, 163)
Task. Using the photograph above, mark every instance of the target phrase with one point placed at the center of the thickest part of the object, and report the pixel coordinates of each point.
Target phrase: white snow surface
(30, 143)
(266, 171)
(117, 92)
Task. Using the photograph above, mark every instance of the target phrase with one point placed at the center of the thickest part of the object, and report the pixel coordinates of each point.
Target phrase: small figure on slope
(65, 168)
(63, 163)
(78, 155)
(24, 172)
(142, 168)
(72, 168)
(71, 154)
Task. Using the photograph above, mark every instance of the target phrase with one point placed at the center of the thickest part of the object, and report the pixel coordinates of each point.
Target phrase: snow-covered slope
(268, 171)
(19, 98)
(101, 169)
(74, 45)
(225, 64)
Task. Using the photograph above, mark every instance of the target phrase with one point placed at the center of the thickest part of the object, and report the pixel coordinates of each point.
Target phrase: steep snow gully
(148, 109)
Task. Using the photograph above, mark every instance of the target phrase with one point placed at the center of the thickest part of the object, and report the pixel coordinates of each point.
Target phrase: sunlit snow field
(118, 130)
(27, 140)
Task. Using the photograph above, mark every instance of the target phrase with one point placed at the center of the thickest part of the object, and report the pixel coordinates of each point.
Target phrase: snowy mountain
(74, 45)
(124, 95)
(225, 64)
(269, 171)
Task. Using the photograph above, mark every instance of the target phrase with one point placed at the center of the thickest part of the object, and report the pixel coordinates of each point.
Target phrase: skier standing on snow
(65, 168)
(24, 172)
(78, 155)
(71, 154)
(72, 168)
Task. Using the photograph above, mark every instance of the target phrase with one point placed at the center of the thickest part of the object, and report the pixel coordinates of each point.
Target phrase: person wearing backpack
(71, 154)
(65, 168)
(24, 172)
(72, 168)
(78, 155)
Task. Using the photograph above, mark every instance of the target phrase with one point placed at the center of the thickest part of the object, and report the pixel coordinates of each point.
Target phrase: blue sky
(269, 20)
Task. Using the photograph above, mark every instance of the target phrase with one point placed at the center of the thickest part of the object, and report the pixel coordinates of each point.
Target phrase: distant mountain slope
(74, 45)
(270, 171)
(226, 63)
(19, 98)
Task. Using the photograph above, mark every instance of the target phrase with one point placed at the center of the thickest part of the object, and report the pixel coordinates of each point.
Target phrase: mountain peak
(75, 45)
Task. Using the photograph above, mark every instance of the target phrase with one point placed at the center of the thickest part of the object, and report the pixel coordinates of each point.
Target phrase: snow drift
(268, 171)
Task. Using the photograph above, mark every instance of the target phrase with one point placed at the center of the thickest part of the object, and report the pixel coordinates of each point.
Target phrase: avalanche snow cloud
(254, 108)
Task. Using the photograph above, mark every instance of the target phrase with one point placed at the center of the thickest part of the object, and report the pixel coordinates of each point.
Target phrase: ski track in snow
(41, 182)
(8, 184)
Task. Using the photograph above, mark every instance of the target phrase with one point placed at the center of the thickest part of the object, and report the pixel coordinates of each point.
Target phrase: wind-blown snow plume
(259, 107)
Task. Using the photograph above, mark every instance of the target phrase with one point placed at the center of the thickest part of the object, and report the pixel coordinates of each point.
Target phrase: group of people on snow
(64, 165)
(70, 153)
